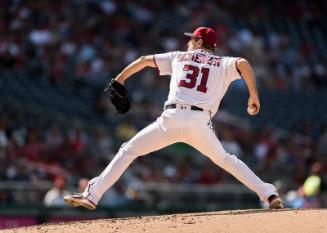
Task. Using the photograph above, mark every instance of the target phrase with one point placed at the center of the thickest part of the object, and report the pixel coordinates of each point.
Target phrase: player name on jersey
(199, 58)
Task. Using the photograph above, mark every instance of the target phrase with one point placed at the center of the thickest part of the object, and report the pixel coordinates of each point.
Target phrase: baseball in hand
(252, 110)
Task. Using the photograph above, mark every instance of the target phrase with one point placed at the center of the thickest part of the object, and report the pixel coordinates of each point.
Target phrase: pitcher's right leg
(204, 139)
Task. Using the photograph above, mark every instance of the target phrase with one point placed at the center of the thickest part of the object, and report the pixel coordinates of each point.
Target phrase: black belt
(173, 106)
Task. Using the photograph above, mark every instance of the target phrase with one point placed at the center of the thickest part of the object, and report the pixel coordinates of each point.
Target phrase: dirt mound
(240, 221)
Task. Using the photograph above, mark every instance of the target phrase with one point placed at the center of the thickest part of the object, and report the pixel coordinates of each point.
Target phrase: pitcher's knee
(127, 153)
(226, 159)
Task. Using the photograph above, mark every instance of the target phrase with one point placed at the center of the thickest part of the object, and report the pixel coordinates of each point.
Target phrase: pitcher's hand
(253, 106)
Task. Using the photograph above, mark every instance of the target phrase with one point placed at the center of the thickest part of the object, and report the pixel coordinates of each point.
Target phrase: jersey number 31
(191, 77)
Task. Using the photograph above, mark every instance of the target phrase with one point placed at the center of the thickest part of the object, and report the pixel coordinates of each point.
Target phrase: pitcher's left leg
(149, 139)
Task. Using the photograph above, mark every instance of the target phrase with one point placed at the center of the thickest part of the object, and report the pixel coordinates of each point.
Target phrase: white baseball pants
(177, 125)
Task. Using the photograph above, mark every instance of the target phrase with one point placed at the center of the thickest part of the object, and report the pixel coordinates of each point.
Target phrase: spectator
(230, 144)
(55, 196)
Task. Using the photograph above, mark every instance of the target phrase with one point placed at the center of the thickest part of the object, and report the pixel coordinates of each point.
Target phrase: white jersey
(198, 77)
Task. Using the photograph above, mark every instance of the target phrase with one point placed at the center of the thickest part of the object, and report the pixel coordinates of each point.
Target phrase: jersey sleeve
(232, 72)
(164, 62)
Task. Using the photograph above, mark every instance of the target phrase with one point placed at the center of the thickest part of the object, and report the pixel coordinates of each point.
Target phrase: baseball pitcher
(199, 80)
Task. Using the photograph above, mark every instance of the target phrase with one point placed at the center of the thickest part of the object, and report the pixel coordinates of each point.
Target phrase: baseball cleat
(78, 199)
(275, 202)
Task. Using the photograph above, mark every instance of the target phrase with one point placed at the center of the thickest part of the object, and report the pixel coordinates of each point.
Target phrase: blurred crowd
(84, 42)
(88, 41)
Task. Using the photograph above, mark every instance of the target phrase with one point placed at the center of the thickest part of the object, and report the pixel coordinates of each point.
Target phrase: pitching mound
(248, 221)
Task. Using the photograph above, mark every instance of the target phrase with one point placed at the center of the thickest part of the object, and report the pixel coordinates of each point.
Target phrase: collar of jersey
(202, 51)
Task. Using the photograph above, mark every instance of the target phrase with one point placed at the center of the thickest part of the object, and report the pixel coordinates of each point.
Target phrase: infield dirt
(237, 221)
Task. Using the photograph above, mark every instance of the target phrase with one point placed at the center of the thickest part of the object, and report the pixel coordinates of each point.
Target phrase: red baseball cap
(208, 35)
